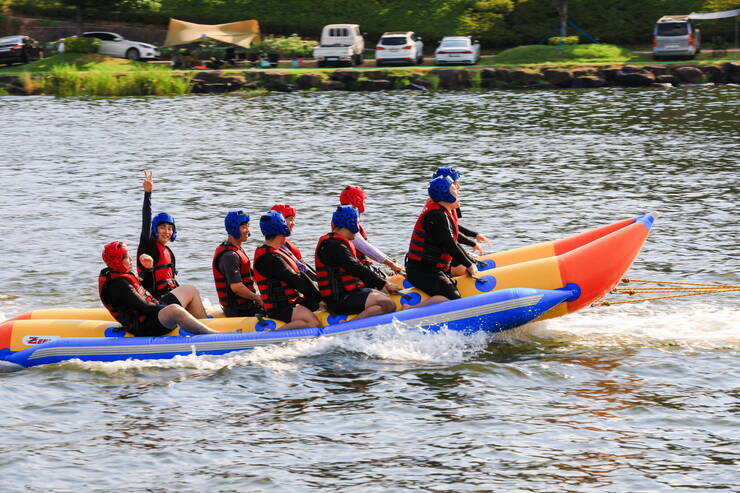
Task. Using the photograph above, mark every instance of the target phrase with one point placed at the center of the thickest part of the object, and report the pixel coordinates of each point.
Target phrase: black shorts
(351, 303)
(430, 280)
(248, 309)
(151, 327)
(284, 313)
(169, 299)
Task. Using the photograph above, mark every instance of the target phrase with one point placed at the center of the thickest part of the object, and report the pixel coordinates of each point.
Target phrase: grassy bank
(571, 54)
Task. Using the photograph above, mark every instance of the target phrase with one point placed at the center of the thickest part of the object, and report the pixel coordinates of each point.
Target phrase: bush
(289, 47)
(568, 40)
(81, 45)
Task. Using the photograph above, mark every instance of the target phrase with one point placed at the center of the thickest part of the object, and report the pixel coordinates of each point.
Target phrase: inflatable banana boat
(514, 287)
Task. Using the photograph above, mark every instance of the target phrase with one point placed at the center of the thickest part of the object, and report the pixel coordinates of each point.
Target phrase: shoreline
(359, 79)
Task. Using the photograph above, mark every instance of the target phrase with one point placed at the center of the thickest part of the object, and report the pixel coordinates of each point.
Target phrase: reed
(66, 80)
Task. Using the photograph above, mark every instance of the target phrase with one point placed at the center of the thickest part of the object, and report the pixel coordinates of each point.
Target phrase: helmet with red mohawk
(114, 254)
(286, 210)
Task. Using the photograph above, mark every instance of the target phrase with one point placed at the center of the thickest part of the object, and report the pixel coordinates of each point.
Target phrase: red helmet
(353, 196)
(286, 210)
(113, 255)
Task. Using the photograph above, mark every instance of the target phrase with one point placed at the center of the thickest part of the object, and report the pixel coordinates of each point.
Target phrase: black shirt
(148, 245)
(439, 231)
(273, 266)
(334, 253)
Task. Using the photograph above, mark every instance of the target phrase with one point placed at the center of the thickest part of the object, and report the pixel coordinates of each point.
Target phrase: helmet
(233, 220)
(286, 210)
(353, 196)
(163, 218)
(113, 255)
(447, 171)
(439, 189)
(273, 223)
(346, 216)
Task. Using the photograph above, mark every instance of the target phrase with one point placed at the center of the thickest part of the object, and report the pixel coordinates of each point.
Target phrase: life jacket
(421, 250)
(335, 281)
(293, 249)
(226, 296)
(273, 291)
(127, 317)
(164, 269)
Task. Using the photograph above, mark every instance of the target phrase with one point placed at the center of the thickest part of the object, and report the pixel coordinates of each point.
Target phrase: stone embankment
(449, 79)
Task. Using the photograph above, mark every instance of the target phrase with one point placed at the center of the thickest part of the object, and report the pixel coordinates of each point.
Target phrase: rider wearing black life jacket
(346, 285)
(155, 234)
(232, 270)
(434, 244)
(137, 310)
(287, 293)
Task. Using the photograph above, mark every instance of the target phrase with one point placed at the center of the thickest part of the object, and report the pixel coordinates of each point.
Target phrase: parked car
(676, 35)
(340, 43)
(115, 45)
(19, 49)
(399, 47)
(457, 50)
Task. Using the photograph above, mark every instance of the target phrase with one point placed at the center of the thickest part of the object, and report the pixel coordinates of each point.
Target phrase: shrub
(81, 45)
(568, 40)
(289, 47)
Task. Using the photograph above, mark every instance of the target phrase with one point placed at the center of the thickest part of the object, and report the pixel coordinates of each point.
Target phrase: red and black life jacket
(226, 296)
(335, 281)
(293, 249)
(127, 317)
(273, 291)
(164, 269)
(420, 248)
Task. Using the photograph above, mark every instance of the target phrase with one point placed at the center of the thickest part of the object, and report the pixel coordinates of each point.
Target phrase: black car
(19, 49)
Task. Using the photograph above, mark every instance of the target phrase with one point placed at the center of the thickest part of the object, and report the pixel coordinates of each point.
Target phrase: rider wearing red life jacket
(289, 213)
(434, 248)
(366, 252)
(232, 270)
(158, 279)
(287, 293)
(137, 310)
(345, 284)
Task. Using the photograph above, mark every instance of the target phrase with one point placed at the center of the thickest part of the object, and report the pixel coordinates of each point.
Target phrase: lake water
(625, 398)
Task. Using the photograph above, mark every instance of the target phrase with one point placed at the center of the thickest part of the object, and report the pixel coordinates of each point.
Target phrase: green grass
(582, 54)
(84, 63)
(66, 80)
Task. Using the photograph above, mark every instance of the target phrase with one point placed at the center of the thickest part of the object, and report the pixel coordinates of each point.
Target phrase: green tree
(82, 6)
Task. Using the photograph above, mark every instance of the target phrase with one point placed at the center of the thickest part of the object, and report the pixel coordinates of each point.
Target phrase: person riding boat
(137, 310)
(434, 246)
(159, 278)
(367, 253)
(156, 261)
(348, 286)
(467, 236)
(287, 293)
(232, 270)
(289, 214)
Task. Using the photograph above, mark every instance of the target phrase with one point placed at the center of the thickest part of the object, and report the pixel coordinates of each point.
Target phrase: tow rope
(666, 287)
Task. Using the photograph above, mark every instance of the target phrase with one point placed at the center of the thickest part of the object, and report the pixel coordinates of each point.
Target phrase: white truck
(340, 44)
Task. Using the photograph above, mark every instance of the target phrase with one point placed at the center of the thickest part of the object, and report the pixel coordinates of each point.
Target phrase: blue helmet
(447, 171)
(273, 223)
(233, 220)
(163, 218)
(439, 189)
(346, 216)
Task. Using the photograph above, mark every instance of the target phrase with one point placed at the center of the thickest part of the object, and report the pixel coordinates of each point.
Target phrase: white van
(675, 35)
(340, 44)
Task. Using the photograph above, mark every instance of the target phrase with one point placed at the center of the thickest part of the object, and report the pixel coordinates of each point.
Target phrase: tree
(562, 7)
(81, 6)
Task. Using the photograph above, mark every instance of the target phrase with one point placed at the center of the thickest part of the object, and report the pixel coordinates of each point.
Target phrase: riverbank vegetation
(496, 23)
(585, 54)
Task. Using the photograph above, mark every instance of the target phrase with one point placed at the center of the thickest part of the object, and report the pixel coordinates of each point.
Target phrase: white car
(399, 47)
(457, 50)
(115, 45)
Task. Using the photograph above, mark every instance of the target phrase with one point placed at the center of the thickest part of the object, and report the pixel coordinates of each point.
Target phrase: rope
(693, 289)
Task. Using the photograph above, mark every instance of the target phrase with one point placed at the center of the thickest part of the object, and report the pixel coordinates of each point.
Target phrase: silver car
(675, 35)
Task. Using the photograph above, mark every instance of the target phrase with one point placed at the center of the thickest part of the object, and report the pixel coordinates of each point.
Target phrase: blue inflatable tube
(490, 312)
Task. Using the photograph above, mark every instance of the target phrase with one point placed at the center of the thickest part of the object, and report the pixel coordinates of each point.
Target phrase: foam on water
(697, 325)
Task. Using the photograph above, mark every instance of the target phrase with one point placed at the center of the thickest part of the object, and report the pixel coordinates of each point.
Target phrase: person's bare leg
(431, 301)
(458, 270)
(174, 315)
(302, 318)
(376, 304)
(189, 297)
